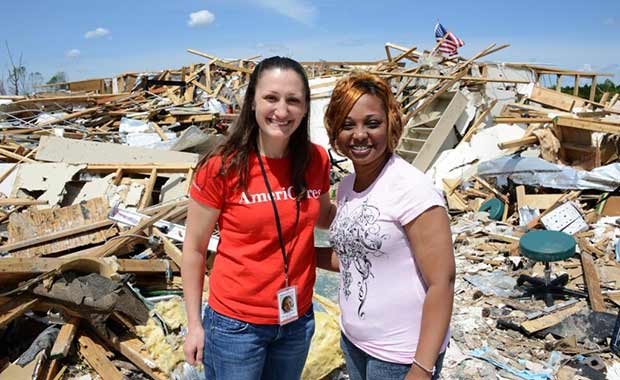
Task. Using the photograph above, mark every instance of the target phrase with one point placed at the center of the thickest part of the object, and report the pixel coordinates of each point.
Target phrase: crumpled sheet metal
(538, 172)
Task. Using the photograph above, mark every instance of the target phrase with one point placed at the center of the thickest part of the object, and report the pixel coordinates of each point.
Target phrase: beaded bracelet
(429, 371)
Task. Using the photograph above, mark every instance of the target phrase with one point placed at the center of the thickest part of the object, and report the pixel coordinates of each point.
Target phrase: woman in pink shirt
(391, 237)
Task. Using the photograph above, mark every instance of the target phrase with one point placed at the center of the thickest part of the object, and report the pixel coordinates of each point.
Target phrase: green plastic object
(494, 207)
(547, 246)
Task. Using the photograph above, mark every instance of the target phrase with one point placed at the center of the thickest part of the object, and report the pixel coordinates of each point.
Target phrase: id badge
(287, 305)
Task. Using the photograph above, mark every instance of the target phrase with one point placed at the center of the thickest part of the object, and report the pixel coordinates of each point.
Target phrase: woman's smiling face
(363, 136)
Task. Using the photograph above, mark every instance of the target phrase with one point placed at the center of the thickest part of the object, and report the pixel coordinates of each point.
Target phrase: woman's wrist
(428, 369)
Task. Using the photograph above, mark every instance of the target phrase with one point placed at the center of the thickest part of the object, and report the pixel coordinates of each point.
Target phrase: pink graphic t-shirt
(381, 291)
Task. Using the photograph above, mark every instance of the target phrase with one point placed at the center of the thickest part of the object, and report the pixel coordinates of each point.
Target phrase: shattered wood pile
(94, 195)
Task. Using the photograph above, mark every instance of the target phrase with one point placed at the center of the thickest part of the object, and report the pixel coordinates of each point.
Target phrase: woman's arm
(326, 259)
(327, 212)
(431, 240)
(199, 227)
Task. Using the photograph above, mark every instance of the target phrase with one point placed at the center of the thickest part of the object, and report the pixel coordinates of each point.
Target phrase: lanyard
(277, 217)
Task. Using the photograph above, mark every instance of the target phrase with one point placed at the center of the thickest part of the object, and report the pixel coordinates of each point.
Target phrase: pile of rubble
(95, 183)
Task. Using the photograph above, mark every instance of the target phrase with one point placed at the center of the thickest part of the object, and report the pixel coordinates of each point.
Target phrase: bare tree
(17, 73)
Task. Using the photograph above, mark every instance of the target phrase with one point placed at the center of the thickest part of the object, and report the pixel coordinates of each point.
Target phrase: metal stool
(547, 246)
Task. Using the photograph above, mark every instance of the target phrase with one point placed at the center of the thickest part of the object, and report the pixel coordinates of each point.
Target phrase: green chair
(547, 246)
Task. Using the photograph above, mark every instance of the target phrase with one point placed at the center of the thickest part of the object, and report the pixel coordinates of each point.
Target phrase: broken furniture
(546, 246)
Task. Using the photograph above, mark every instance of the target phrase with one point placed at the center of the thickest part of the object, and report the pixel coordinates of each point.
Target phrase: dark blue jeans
(237, 350)
(362, 366)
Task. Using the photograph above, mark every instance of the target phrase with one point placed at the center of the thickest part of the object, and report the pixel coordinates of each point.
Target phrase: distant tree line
(21, 82)
(584, 91)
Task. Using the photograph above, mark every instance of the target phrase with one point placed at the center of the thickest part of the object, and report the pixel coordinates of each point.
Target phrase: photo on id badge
(287, 305)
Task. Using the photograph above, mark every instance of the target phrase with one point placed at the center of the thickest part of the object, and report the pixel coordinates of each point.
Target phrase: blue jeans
(246, 351)
(362, 366)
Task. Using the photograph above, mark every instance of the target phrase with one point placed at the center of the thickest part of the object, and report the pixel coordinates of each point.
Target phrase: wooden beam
(474, 127)
(524, 141)
(8, 153)
(64, 340)
(56, 235)
(148, 190)
(549, 320)
(590, 125)
(590, 275)
(576, 87)
(171, 250)
(10, 266)
(74, 115)
(593, 88)
(21, 202)
(132, 349)
(15, 308)
(96, 357)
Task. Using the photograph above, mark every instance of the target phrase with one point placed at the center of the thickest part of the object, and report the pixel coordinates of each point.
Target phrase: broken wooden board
(552, 98)
(64, 340)
(549, 320)
(35, 224)
(14, 308)
(597, 303)
(96, 356)
(56, 149)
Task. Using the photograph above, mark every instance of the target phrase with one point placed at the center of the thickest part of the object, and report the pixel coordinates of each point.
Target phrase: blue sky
(90, 39)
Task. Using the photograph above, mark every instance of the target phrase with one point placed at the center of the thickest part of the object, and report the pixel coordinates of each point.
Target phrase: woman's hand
(194, 344)
(416, 373)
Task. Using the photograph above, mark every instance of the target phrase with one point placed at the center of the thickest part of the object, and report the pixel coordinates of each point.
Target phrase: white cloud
(586, 67)
(99, 32)
(298, 10)
(200, 18)
(73, 53)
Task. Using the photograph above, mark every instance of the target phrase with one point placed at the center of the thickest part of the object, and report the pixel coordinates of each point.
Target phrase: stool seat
(494, 207)
(547, 246)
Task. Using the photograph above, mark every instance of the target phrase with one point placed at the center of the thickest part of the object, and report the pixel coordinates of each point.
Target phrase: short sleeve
(208, 188)
(418, 195)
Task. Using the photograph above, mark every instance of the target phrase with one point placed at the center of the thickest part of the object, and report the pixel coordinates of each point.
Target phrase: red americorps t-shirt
(248, 269)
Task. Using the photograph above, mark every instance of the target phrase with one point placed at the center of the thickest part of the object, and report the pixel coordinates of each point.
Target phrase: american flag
(450, 44)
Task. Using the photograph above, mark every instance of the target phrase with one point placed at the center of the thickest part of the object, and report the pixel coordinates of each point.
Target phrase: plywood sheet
(32, 224)
(57, 149)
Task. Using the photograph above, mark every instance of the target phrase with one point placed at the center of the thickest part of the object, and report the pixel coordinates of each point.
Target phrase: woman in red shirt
(267, 187)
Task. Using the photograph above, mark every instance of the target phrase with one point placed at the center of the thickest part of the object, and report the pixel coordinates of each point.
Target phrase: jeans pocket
(227, 324)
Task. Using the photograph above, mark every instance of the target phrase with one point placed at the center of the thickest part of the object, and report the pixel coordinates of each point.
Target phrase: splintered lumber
(552, 319)
(597, 303)
(56, 235)
(148, 190)
(21, 202)
(15, 156)
(74, 115)
(111, 246)
(171, 250)
(70, 227)
(552, 98)
(64, 340)
(96, 357)
(218, 62)
(524, 141)
(588, 124)
(11, 266)
(131, 348)
(474, 127)
(15, 307)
